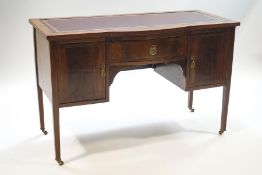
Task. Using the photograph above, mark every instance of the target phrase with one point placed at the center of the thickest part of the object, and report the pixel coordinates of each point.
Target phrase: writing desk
(77, 58)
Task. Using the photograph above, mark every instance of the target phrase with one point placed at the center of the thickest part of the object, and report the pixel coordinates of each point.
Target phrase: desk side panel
(230, 40)
(43, 63)
(173, 73)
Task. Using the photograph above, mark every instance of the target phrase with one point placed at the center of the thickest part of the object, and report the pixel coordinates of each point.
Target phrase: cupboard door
(207, 59)
(82, 72)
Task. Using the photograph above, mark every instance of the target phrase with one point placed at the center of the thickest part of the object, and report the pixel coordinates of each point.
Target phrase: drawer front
(146, 50)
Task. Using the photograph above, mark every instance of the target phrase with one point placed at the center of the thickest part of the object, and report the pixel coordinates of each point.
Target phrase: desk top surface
(127, 23)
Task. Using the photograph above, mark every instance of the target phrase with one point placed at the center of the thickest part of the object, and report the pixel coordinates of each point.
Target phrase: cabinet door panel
(207, 58)
(80, 76)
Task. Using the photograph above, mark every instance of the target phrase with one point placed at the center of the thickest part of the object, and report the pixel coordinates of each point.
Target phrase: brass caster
(192, 110)
(60, 162)
(221, 132)
(44, 131)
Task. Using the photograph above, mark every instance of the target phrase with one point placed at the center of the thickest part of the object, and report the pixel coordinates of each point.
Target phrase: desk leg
(226, 92)
(39, 91)
(57, 134)
(41, 109)
(190, 101)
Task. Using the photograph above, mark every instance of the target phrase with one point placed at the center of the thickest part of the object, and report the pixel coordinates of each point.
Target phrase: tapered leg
(41, 109)
(226, 92)
(57, 134)
(39, 92)
(190, 101)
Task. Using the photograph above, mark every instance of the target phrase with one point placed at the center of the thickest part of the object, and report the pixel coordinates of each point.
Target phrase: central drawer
(158, 49)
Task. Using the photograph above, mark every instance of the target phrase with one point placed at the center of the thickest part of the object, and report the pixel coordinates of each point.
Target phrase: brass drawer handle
(103, 70)
(193, 62)
(153, 50)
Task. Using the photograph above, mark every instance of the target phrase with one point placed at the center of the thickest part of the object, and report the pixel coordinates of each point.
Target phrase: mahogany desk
(77, 58)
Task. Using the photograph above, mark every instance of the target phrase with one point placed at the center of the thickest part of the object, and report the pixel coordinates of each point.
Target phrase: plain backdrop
(146, 127)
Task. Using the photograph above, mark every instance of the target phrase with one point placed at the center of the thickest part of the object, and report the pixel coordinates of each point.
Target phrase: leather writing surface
(128, 21)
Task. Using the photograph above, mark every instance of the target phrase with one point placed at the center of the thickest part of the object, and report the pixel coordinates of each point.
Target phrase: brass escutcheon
(153, 50)
(193, 62)
(103, 70)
